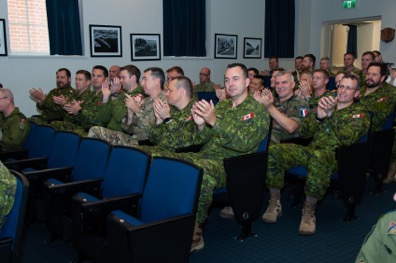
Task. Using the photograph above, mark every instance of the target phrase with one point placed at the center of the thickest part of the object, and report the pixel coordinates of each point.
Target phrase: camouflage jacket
(112, 113)
(381, 102)
(345, 127)
(294, 108)
(170, 135)
(143, 120)
(89, 115)
(237, 130)
(356, 71)
(51, 111)
(15, 129)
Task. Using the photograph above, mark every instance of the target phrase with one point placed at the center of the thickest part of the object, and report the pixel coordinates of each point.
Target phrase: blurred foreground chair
(162, 229)
(12, 231)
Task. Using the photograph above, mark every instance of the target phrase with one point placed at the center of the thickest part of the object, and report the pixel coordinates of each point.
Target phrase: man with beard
(308, 62)
(50, 106)
(379, 98)
(367, 58)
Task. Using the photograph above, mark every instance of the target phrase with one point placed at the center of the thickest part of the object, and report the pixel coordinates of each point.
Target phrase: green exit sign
(349, 3)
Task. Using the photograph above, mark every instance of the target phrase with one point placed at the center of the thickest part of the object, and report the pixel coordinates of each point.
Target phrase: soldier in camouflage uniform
(325, 65)
(379, 98)
(380, 243)
(8, 185)
(257, 83)
(338, 122)
(287, 110)
(82, 98)
(205, 85)
(320, 79)
(113, 110)
(349, 59)
(235, 127)
(140, 115)
(52, 109)
(14, 126)
(173, 119)
(367, 58)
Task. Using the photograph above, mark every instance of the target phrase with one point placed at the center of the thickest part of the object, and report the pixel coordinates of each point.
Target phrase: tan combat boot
(197, 241)
(308, 220)
(391, 174)
(274, 209)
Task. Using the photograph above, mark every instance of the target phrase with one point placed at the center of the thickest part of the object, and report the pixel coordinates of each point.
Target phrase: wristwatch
(114, 94)
(308, 98)
(167, 120)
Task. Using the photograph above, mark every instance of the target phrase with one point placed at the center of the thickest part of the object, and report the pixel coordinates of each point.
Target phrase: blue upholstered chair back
(126, 171)
(64, 149)
(29, 139)
(264, 144)
(41, 143)
(207, 95)
(91, 159)
(170, 189)
(389, 121)
(13, 226)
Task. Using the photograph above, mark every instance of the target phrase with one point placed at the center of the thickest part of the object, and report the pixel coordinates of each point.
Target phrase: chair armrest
(16, 154)
(34, 163)
(145, 142)
(58, 197)
(37, 178)
(298, 140)
(135, 243)
(93, 214)
(191, 148)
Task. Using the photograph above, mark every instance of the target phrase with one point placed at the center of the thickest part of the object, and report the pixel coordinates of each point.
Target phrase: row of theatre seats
(121, 205)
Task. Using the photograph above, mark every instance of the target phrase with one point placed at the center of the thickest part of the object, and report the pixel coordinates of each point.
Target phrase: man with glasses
(337, 122)
(205, 84)
(14, 125)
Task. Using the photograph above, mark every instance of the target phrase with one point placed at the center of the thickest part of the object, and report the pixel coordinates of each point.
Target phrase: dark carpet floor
(335, 241)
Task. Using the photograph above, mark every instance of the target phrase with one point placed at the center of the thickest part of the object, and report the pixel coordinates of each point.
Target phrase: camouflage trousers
(213, 176)
(68, 126)
(7, 192)
(111, 136)
(320, 165)
(38, 120)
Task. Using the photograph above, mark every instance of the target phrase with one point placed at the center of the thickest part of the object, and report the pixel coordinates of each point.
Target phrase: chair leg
(246, 231)
(350, 213)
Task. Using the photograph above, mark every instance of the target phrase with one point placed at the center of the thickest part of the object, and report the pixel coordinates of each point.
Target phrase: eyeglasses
(348, 88)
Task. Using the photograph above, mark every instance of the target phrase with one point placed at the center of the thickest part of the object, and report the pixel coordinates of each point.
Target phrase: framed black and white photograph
(106, 41)
(145, 46)
(3, 38)
(252, 47)
(226, 46)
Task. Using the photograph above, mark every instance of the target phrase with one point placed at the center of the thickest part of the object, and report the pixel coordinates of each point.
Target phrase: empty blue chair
(11, 233)
(125, 175)
(162, 229)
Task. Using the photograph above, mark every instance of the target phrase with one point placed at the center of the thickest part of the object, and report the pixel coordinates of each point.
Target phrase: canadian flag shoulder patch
(357, 116)
(248, 116)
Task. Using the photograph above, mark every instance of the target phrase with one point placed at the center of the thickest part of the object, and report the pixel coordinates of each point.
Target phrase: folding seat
(126, 174)
(162, 229)
(89, 168)
(12, 231)
(39, 143)
(63, 153)
(245, 185)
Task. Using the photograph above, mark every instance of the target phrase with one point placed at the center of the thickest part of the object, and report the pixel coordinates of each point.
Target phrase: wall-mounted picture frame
(106, 41)
(145, 47)
(252, 47)
(3, 38)
(226, 46)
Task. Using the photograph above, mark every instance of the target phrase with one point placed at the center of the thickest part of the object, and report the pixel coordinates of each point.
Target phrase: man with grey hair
(14, 125)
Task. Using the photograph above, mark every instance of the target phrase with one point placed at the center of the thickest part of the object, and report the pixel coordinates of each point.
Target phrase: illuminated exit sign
(349, 3)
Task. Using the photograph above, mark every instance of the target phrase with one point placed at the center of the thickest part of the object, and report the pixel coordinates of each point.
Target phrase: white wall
(243, 18)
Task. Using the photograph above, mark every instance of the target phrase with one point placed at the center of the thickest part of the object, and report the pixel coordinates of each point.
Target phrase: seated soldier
(205, 84)
(173, 118)
(8, 185)
(140, 115)
(236, 126)
(14, 126)
(50, 108)
(113, 109)
(338, 122)
(287, 112)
